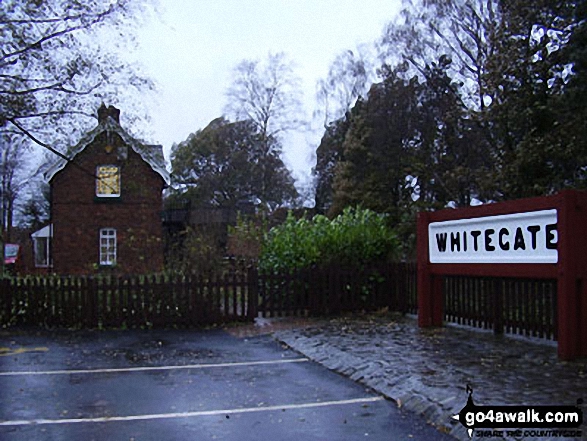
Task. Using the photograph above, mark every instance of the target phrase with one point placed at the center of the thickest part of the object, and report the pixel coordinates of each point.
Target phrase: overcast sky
(192, 49)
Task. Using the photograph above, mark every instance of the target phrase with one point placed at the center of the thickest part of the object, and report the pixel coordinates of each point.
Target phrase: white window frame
(108, 246)
(107, 195)
(44, 236)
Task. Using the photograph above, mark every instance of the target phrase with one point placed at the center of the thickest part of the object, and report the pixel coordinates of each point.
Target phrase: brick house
(106, 203)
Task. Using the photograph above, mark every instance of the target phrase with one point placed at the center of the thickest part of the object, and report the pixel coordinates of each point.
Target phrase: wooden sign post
(538, 238)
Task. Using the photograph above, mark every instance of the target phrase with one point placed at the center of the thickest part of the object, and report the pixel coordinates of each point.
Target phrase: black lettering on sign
(533, 229)
(519, 242)
(489, 239)
(441, 241)
(475, 234)
(455, 241)
(503, 244)
(465, 241)
(551, 238)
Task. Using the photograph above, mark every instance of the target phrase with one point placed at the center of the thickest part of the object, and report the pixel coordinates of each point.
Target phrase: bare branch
(58, 153)
(50, 113)
(41, 143)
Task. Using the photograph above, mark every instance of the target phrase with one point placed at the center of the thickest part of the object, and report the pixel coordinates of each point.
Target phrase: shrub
(356, 237)
(194, 250)
(245, 238)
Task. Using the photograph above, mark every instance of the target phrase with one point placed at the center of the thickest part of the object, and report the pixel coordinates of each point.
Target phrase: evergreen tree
(382, 136)
(328, 154)
(533, 147)
(225, 163)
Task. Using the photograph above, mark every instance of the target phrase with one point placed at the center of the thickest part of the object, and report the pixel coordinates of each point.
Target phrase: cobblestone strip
(427, 371)
(374, 375)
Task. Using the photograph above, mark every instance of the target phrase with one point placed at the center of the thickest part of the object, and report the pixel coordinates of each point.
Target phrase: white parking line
(162, 416)
(153, 368)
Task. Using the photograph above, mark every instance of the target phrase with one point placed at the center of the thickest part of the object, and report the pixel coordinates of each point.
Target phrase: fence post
(7, 294)
(253, 293)
(430, 303)
(400, 272)
(572, 294)
(498, 306)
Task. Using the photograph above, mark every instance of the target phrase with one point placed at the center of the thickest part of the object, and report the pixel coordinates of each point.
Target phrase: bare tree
(349, 77)
(54, 66)
(13, 158)
(462, 30)
(269, 95)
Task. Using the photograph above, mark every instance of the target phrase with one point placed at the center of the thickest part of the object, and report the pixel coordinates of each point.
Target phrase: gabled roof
(151, 154)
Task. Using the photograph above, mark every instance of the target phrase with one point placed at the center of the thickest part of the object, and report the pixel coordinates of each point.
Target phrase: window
(107, 246)
(108, 181)
(42, 246)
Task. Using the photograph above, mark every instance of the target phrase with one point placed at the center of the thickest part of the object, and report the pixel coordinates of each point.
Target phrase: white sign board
(511, 238)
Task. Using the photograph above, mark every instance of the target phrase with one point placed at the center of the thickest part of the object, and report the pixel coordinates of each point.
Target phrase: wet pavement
(184, 385)
(426, 371)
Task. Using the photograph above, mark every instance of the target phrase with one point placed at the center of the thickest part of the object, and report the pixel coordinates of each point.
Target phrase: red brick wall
(78, 215)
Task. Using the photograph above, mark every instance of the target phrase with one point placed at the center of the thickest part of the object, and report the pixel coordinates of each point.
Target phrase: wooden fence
(194, 300)
(514, 306)
(133, 302)
(518, 306)
(335, 289)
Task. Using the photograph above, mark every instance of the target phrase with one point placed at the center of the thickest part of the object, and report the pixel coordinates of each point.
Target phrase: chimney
(105, 112)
